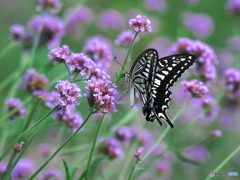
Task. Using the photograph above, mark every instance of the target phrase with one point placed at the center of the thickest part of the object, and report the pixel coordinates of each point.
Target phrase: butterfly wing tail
(165, 117)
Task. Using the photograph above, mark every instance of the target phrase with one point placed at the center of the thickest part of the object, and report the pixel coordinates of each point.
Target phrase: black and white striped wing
(140, 74)
(165, 73)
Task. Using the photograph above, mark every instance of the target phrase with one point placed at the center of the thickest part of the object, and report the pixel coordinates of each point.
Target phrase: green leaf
(66, 170)
(92, 166)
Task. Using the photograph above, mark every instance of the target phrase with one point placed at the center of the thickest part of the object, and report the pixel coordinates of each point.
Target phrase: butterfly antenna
(115, 58)
(123, 95)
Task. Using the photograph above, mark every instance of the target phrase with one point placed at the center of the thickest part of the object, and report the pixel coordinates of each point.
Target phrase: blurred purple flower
(100, 94)
(51, 174)
(124, 134)
(164, 167)
(155, 5)
(51, 99)
(77, 16)
(201, 25)
(52, 6)
(68, 94)
(45, 150)
(138, 153)
(210, 110)
(206, 57)
(125, 38)
(233, 6)
(17, 31)
(3, 167)
(33, 80)
(13, 103)
(195, 87)
(111, 19)
(226, 59)
(59, 54)
(97, 72)
(80, 63)
(216, 133)
(140, 24)
(232, 81)
(161, 44)
(112, 148)
(52, 29)
(229, 117)
(23, 170)
(100, 50)
(197, 153)
(234, 42)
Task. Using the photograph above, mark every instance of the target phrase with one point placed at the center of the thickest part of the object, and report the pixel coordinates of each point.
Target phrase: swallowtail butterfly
(151, 78)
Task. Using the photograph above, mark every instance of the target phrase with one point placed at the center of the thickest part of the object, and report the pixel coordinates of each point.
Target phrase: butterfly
(151, 78)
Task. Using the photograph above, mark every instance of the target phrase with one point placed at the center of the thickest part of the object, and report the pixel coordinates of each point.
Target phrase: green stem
(13, 156)
(126, 59)
(93, 146)
(7, 49)
(225, 161)
(62, 146)
(21, 136)
(135, 167)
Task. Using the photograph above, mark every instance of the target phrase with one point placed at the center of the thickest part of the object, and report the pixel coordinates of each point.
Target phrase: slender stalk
(93, 146)
(62, 146)
(7, 49)
(10, 162)
(224, 162)
(21, 136)
(126, 59)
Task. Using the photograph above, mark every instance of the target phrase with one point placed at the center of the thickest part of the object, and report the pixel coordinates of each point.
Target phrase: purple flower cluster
(201, 25)
(125, 38)
(140, 24)
(232, 81)
(206, 58)
(52, 6)
(77, 16)
(155, 5)
(79, 62)
(100, 50)
(24, 169)
(68, 94)
(112, 148)
(197, 153)
(3, 167)
(111, 19)
(59, 54)
(124, 134)
(33, 81)
(100, 95)
(17, 32)
(52, 29)
(164, 167)
(195, 87)
(233, 6)
(51, 174)
(70, 117)
(13, 103)
(45, 150)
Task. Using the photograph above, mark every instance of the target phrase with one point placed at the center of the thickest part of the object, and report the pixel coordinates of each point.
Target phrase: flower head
(111, 19)
(155, 5)
(52, 29)
(201, 25)
(33, 80)
(79, 62)
(52, 6)
(124, 133)
(51, 174)
(138, 153)
(216, 133)
(3, 167)
(17, 31)
(96, 71)
(45, 150)
(164, 167)
(68, 94)
(125, 38)
(112, 148)
(140, 24)
(59, 54)
(232, 81)
(233, 6)
(100, 95)
(78, 16)
(99, 50)
(195, 87)
(197, 153)
(13, 103)
(23, 170)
